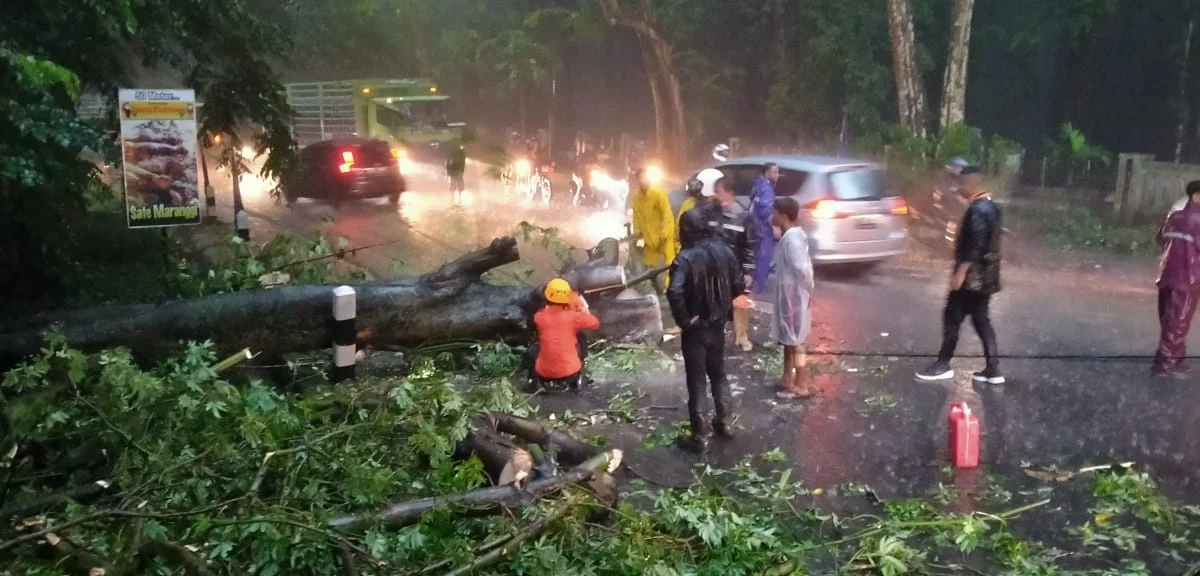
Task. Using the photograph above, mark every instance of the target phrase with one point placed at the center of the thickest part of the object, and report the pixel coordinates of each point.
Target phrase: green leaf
(775, 455)
(154, 530)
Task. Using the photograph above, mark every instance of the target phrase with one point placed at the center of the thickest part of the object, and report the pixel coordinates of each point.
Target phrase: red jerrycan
(964, 436)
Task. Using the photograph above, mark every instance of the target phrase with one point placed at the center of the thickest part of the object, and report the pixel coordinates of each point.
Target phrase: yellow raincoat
(688, 204)
(654, 223)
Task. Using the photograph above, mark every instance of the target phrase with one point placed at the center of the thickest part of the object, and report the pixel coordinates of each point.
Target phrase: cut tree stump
(450, 303)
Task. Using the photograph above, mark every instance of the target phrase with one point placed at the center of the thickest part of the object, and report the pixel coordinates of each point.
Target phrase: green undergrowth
(1080, 228)
(186, 466)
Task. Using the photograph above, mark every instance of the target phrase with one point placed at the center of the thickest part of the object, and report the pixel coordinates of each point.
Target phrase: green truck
(410, 112)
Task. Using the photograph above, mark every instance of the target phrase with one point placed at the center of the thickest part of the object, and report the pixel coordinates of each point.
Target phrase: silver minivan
(849, 213)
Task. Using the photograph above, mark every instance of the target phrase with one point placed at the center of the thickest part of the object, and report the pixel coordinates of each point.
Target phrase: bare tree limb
(41, 505)
(500, 552)
(266, 461)
(487, 500)
(193, 563)
(337, 538)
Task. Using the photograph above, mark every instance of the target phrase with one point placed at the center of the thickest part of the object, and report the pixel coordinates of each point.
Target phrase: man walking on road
(705, 278)
(975, 278)
(1178, 285)
(456, 166)
(762, 198)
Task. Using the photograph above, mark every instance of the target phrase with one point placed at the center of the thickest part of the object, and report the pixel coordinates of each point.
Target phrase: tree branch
(41, 505)
(500, 552)
(83, 559)
(489, 500)
(473, 265)
(108, 423)
(178, 554)
(339, 539)
(111, 514)
(263, 469)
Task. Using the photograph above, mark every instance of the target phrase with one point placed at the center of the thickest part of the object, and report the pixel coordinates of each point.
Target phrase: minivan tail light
(899, 207)
(826, 210)
(347, 162)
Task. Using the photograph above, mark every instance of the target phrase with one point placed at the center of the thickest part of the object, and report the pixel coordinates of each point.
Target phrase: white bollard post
(343, 334)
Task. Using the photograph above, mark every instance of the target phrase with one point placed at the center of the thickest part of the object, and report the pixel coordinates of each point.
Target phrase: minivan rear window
(862, 184)
(790, 182)
(373, 154)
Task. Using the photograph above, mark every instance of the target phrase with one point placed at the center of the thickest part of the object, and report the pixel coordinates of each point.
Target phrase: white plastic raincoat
(793, 288)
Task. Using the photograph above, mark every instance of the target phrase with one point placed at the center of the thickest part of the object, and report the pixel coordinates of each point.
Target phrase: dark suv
(346, 169)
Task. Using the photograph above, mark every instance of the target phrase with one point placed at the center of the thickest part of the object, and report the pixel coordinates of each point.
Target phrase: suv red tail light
(899, 207)
(826, 210)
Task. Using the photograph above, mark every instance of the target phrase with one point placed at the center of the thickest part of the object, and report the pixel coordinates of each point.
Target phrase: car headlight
(523, 167)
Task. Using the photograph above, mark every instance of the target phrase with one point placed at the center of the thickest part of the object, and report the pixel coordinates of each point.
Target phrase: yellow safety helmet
(558, 291)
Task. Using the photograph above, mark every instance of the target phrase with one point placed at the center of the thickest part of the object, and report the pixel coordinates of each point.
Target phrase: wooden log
(561, 446)
(503, 462)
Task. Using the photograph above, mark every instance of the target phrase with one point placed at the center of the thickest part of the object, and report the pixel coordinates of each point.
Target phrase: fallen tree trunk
(503, 462)
(487, 500)
(450, 303)
(559, 445)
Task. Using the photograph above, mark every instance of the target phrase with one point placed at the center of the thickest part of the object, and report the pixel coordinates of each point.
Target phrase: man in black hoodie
(705, 278)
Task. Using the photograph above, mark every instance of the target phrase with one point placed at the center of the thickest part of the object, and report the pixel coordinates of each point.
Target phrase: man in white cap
(700, 192)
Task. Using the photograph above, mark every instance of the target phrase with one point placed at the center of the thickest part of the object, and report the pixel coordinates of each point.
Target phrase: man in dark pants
(1178, 285)
(705, 278)
(975, 278)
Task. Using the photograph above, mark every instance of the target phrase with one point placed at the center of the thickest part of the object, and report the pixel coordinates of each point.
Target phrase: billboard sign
(158, 146)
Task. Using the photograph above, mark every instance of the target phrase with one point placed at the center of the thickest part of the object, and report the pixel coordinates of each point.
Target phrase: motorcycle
(599, 191)
(539, 186)
(517, 176)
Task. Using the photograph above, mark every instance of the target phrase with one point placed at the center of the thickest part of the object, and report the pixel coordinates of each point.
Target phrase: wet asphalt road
(872, 424)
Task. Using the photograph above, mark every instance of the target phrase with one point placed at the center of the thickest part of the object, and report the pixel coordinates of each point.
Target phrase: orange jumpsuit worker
(559, 355)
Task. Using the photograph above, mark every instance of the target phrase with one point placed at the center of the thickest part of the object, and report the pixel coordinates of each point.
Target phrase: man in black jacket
(705, 278)
(975, 278)
(742, 236)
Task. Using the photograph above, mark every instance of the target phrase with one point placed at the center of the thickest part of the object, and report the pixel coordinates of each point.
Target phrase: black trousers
(704, 362)
(959, 305)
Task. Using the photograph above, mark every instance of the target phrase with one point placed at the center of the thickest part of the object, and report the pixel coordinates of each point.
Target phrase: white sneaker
(936, 372)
